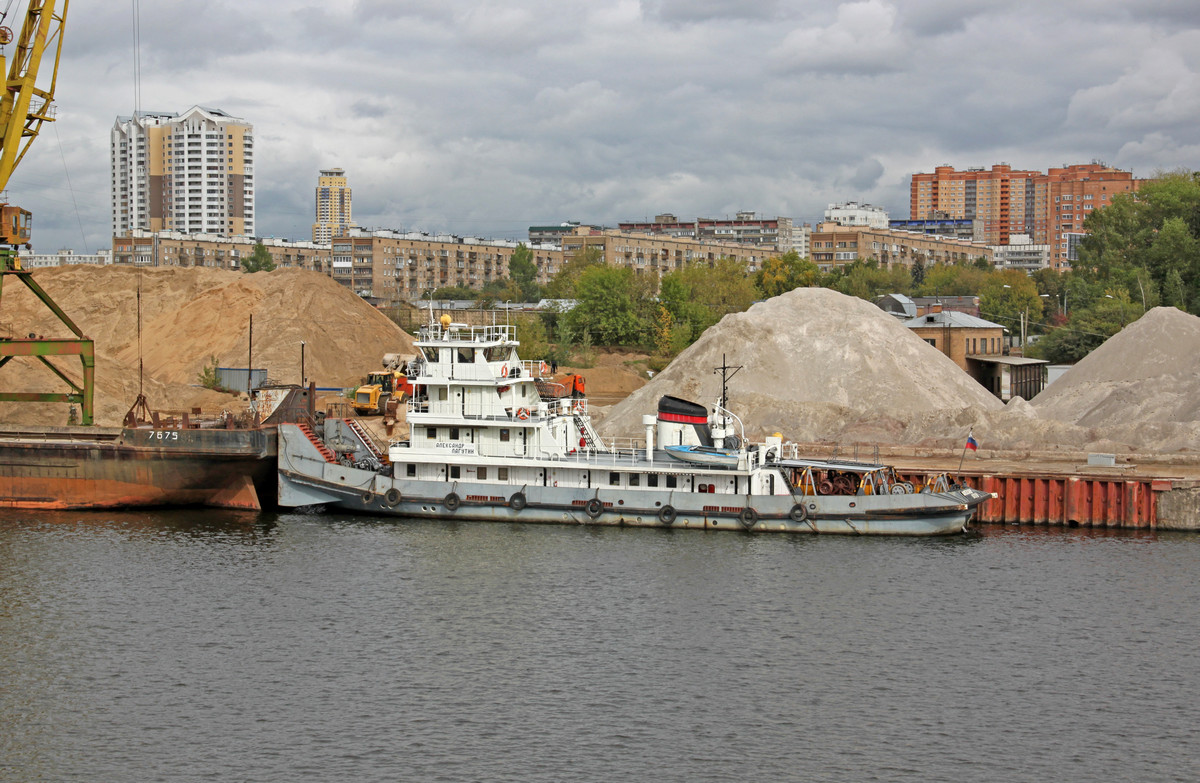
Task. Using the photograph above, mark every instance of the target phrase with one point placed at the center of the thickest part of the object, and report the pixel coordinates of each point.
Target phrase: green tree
(960, 279)
(918, 272)
(867, 280)
(1140, 239)
(453, 292)
(208, 375)
(259, 260)
(606, 309)
(563, 284)
(523, 272)
(703, 293)
(1087, 328)
(781, 274)
(1006, 296)
(1173, 292)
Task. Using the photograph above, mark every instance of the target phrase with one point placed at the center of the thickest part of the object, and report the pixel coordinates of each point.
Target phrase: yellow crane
(24, 106)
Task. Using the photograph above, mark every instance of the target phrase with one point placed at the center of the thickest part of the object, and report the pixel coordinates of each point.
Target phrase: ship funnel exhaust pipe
(650, 422)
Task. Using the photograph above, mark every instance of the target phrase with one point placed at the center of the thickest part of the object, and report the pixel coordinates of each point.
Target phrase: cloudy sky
(482, 118)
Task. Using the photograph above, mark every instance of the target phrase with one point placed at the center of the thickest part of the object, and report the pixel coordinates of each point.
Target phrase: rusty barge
(224, 462)
(117, 467)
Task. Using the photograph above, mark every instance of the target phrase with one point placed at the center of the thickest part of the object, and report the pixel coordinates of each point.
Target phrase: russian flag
(971, 443)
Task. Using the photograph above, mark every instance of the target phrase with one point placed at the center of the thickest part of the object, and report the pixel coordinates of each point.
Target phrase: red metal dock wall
(1087, 501)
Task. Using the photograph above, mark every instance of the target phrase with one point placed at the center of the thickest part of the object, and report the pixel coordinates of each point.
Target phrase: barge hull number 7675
(491, 437)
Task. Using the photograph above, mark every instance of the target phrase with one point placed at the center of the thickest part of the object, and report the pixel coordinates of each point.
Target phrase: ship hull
(96, 467)
(364, 491)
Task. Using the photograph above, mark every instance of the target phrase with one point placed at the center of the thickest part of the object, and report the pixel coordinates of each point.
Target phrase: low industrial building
(977, 346)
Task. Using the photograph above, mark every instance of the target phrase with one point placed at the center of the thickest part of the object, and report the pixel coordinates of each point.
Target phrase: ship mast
(724, 371)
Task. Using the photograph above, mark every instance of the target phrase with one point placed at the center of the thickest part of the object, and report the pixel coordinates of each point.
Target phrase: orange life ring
(522, 413)
(544, 368)
(577, 407)
(504, 371)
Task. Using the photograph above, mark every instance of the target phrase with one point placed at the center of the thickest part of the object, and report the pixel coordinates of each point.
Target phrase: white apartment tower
(190, 172)
(333, 216)
(852, 213)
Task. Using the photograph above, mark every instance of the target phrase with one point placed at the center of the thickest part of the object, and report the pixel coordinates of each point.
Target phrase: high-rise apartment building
(333, 216)
(190, 172)
(1048, 207)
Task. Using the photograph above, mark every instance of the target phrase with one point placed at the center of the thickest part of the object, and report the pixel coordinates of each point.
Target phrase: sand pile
(1136, 390)
(189, 315)
(819, 365)
(1147, 372)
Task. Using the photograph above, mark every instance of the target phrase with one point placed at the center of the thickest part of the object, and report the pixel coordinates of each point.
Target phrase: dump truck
(371, 398)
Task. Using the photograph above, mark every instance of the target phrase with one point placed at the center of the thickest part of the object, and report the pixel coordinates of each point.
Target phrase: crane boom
(25, 105)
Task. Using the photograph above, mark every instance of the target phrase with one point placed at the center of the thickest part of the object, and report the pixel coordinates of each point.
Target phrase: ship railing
(618, 451)
(477, 411)
(535, 368)
(466, 333)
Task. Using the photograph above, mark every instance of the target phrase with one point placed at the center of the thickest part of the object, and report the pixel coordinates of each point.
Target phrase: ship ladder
(589, 435)
(366, 439)
(317, 442)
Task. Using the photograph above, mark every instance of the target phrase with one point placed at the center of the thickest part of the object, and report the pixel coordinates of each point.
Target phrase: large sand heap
(1146, 373)
(818, 365)
(189, 315)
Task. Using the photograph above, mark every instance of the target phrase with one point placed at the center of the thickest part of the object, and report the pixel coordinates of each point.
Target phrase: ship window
(652, 480)
(466, 355)
(431, 355)
(502, 474)
(671, 482)
(614, 479)
(504, 433)
(454, 433)
(633, 479)
(483, 474)
(442, 395)
(455, 471)
(411, 469)
(431, 433)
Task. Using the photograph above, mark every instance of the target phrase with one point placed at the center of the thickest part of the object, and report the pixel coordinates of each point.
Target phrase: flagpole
(964, 451)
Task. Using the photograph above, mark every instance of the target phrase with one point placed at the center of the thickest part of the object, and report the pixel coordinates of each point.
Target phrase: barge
(224, 461)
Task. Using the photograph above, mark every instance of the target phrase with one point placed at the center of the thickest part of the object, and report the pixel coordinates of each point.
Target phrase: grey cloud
(484, 117)
(696, 11)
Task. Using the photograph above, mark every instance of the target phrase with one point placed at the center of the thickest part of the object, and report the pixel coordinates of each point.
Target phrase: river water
(202, 645)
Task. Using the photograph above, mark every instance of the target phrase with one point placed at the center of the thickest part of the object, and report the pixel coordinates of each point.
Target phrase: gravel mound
(817, 365)
(1146, 373)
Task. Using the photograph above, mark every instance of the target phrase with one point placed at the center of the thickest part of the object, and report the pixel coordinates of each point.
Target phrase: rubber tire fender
(799, 513)
(367, 497)
(593, 508)
(748, 517)
(666, 515)
(451, 502)
(517, 501)
(392, 497)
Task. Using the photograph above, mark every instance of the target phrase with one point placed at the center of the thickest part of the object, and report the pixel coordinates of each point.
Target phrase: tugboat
(492, 438)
